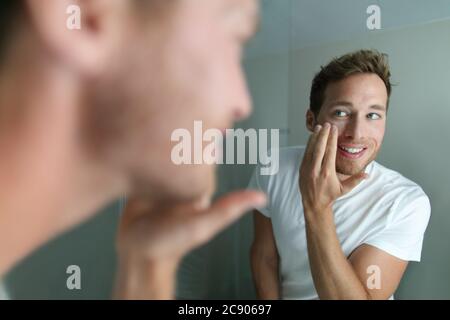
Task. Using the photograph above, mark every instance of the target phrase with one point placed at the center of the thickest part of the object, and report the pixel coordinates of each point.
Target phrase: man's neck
(47, 182)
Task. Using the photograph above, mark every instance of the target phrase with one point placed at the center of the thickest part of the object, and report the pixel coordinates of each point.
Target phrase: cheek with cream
(354, 155)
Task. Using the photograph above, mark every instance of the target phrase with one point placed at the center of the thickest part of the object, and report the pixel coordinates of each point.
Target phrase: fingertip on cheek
(334, 128)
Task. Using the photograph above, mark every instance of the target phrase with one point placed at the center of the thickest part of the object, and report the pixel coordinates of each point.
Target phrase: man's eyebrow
(253, 22)
(350, 105)
(253, 13)
(341, 104)
(250, 17)
(378, 107)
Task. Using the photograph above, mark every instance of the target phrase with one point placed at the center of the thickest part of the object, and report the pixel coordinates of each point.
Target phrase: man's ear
(310, 120)
(80, 34)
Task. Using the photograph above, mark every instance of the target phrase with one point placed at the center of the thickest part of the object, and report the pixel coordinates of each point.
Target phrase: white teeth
(352, 150)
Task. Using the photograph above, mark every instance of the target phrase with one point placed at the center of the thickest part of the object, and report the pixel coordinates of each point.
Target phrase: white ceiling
(314, 22)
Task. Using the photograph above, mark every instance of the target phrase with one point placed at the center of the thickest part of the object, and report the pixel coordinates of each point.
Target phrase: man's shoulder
(289, 159)
(291, 154)
(397, 184)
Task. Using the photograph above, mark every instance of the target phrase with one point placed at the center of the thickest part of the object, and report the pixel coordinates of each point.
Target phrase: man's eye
(373, 116)
(340, 114)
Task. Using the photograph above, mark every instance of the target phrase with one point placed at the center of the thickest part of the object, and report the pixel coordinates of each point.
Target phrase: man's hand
(335, 276)
(153, 239)
(319, 182)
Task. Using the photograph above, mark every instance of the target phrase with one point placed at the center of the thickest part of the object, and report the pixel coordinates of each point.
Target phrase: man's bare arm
(336, 277)
(265, 259)
(371, 263)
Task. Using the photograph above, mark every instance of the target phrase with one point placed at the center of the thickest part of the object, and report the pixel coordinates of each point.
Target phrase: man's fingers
(309, 151)
(353, 181)
(330, 153)
(223, 212)
(203, 203)
(134, 208)
(319, 148)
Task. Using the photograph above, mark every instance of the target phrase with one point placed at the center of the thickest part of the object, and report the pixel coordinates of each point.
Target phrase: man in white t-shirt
(338, 225)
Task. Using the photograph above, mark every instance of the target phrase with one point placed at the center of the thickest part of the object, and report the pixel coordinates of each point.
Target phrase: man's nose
(243, 112)
(354, 129)
(242, 104)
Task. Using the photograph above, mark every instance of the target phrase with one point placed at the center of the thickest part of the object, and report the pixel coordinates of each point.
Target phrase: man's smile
(350, 151)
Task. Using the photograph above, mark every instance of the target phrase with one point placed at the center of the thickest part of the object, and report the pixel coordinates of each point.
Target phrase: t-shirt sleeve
(403, 235)
(260, 183)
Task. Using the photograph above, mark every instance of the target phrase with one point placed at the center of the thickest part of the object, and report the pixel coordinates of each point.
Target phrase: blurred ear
(84, 49)
(310, 120)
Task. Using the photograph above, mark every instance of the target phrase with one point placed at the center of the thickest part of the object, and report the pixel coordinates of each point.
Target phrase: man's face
(169, 73)
(357, 106)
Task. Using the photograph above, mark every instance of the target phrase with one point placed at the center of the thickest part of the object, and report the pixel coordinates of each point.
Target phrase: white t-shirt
(387, 211)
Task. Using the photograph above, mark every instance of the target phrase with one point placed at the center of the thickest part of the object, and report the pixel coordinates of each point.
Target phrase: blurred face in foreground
(175, 62)
(88, 114)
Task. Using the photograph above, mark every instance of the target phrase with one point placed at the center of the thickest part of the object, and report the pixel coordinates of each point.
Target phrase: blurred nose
(242, 102)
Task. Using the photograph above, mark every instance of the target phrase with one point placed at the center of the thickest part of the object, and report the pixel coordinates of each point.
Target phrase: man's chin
(198, 187)
(350, 170)
(176, 189)
(178, 194)
(349, 167)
